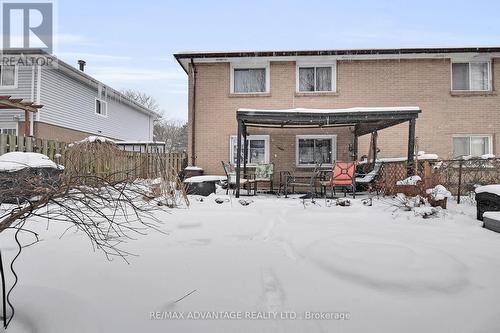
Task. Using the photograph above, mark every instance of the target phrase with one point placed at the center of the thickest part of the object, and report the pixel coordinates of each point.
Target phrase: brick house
(454, 88)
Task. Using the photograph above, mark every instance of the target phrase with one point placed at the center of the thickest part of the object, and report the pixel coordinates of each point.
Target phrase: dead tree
(108, 208)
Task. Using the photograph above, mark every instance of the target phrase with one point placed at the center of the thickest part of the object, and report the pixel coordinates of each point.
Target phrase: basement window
(101, 107)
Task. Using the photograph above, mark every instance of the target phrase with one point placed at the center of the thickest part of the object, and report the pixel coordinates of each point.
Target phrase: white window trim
(333, 137)
(243, 65)
(102, 102)
(250, 137)
(9, 125)
(489, 136)
(16, 72)
(315, 64)
(490, 85)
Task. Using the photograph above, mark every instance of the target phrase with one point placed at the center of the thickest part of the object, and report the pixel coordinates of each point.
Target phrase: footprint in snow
(273, 294)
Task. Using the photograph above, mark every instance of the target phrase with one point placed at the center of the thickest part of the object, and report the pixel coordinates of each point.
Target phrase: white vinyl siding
(471, 76)
(257, 147)
(472, 145)
(313, 149)
(70, 103)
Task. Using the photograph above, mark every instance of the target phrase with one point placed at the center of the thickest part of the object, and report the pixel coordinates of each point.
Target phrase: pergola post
(26, 123)
(245, 150)
(411, 145)
(355, 146)
(375, 147)
(238, 157)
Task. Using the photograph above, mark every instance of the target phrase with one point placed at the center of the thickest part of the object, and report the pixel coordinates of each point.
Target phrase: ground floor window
(8, 128)
(471, 145)
(312, 149)
(257, 147)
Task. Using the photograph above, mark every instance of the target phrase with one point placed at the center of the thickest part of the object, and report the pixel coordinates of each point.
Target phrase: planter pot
(409, 190)
(438, 203)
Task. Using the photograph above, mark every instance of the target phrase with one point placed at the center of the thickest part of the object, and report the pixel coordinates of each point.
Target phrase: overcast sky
(129, 44)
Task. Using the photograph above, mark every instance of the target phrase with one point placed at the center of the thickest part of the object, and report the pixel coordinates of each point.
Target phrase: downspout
(193, 117)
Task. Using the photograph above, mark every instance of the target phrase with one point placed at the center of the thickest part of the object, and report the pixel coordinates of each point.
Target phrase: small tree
(173, 133)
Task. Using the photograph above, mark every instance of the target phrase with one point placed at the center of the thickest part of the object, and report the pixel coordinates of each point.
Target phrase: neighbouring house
(455, 89)
(75, 105)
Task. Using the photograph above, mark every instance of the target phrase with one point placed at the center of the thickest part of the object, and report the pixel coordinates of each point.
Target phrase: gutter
(348, 52)
(193, 122)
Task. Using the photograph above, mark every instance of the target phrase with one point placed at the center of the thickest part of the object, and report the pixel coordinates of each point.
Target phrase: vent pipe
(81, 65)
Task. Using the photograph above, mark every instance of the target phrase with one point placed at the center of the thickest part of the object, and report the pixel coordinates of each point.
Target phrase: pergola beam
(6, 102)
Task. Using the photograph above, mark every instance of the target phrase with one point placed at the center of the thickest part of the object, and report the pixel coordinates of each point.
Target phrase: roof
(364, 119)
(181, 57)
(83, 77)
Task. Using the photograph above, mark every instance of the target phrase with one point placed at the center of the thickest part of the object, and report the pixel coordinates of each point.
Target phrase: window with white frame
(257, 148)
(471, 145)
(312, 149)
(471, 76)
(249, 78)
(316, 78)
(7, 76)
(8, 128)
(101, 107)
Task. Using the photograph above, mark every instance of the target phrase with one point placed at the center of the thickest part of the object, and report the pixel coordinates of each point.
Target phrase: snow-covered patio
(379, 268)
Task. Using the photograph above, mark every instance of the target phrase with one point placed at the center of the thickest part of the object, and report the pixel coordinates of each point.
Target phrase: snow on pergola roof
(346, 110)
(364, 119)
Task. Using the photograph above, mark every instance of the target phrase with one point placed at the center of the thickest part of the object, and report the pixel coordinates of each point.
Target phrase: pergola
(7, 102)
(365, 120)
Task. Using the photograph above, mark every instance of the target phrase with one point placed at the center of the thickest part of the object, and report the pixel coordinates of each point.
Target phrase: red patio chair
(342, 176)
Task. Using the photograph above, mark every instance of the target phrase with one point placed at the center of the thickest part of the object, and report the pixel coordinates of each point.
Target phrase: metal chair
(246, 182)
(292, 181)
(342, 176)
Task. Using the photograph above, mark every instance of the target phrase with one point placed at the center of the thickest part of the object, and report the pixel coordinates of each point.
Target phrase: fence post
(459, 192)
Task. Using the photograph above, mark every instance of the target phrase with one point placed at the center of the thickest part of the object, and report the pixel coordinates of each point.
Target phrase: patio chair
(245, 182)
(342, 176)
(291, 181)
(366, 180)
(264, 174)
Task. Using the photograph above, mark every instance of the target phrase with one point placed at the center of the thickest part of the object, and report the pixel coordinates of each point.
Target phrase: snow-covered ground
(386, 270)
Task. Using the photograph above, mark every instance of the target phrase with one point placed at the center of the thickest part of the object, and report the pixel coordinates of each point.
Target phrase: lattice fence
(460, 177)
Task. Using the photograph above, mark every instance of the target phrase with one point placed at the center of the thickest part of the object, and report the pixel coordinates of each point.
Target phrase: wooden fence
(142, 165)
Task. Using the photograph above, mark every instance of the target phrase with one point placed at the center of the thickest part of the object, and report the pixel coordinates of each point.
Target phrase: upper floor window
(101, 107)
(315, 78)
(250, 79)
(471, 76)
(7, 76)
(471, 145)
